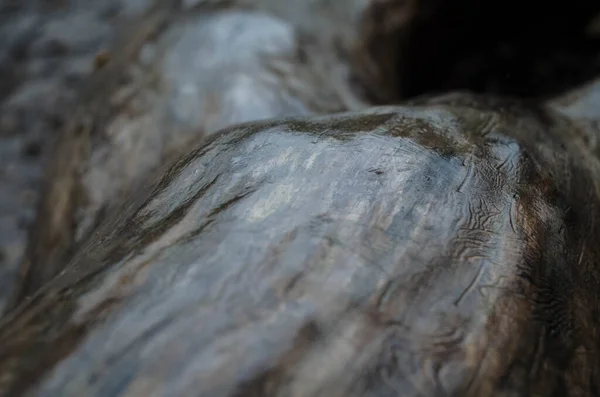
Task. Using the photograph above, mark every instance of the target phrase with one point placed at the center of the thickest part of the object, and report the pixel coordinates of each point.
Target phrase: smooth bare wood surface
(176, 74)
(442, 249)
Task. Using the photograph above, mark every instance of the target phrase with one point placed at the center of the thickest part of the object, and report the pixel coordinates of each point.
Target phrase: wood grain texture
(446, 249)
(173, 76)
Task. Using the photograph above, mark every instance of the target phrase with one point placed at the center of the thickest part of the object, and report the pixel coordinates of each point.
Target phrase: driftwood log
(181, 71)
(442, 248)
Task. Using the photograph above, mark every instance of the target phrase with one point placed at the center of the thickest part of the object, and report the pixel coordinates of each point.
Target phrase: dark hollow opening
(533, 48)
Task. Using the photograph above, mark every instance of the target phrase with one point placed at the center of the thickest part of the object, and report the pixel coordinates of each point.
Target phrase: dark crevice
(531, 49)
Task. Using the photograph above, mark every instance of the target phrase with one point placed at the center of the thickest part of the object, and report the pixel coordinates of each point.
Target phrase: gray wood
(439, 249)
(178, 73)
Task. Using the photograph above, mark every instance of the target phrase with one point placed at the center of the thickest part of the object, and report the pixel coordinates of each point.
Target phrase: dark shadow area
(525, 49)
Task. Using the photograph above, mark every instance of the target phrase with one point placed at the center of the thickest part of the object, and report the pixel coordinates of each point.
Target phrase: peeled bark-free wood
(442, 249)
(174, 76)
(179, 71)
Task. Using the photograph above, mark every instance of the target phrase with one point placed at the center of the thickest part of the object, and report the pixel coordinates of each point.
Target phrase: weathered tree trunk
(427, 250)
